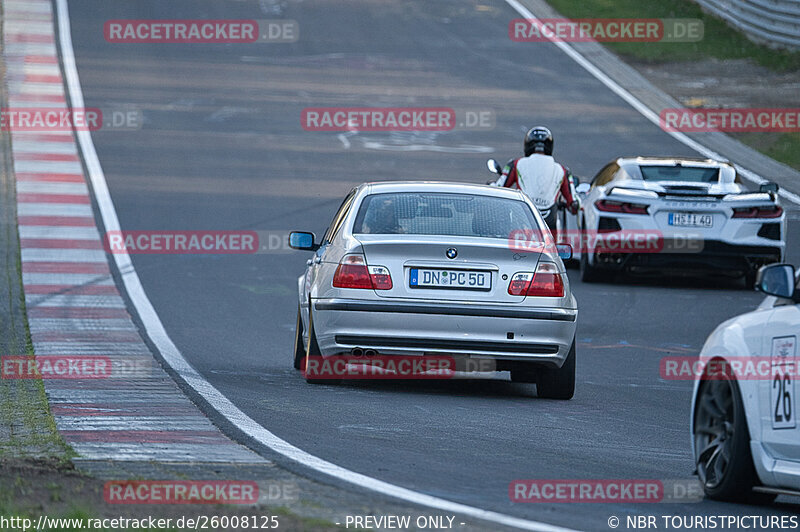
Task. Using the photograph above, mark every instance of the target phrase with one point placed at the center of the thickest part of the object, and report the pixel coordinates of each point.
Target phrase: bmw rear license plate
(688, 219)
(452, 279)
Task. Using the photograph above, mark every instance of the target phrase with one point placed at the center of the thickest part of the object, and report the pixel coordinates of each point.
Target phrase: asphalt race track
(221, 147)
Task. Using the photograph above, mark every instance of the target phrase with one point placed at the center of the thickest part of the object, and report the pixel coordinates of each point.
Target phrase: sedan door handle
(317, 260)
(308, 262)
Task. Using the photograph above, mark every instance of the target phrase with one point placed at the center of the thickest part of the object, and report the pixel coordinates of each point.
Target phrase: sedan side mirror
(303, 241)
(776, 280)
(583, 189)
(769, 186)
(564, 251)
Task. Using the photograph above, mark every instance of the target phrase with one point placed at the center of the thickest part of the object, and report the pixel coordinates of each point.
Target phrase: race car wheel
(590, 274)
(562, 228)
(722, 443)
(558, 383)
(299, 346)
(312, 351)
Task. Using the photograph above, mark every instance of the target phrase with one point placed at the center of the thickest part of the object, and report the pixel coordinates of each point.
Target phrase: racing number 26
(783, 399)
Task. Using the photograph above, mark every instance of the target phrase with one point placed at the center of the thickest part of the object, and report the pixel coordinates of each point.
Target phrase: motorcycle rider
(538, 175)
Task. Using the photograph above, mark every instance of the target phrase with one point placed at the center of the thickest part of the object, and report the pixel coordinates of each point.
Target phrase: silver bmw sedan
(429, 269)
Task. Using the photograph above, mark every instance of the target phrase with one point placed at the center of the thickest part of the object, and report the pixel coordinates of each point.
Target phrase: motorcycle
(542, 186)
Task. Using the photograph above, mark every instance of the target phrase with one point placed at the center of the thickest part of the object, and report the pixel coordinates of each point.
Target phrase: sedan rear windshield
(414, 213)
(680, 173)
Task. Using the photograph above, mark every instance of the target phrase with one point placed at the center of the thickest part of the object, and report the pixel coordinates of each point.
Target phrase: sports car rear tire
(750, 280)
(590, 274)
(558, 383)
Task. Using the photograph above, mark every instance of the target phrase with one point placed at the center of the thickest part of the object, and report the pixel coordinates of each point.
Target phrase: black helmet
(538, 140)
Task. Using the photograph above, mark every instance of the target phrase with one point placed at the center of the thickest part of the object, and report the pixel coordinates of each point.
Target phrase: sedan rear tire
(312, 350)
(558, 383)
(299, 347)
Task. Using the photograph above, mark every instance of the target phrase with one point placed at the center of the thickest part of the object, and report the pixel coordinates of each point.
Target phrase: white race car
(745, 434)
(704, 217)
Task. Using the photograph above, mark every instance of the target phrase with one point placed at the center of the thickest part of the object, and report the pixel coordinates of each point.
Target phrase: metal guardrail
(773, 22)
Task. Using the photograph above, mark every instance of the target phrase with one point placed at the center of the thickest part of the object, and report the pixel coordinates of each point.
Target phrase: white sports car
(704, 217)
(745, 434)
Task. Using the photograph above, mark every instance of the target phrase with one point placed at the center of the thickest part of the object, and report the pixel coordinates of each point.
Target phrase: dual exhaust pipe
(361, 353)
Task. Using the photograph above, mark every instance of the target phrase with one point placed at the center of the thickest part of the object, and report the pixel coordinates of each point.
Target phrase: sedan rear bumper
(413, 307)
(507, 333)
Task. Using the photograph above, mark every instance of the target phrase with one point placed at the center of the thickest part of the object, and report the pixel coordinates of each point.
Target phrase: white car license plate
(453, 279)
(687, 219)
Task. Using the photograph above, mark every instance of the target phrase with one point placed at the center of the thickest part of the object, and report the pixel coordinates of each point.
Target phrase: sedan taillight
(545, 282)
(519, 284)
(621, 207)
(771, 211)
(381, 278)
(353, 272)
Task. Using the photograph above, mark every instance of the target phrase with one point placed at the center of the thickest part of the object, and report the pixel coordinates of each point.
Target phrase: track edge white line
(173, 357)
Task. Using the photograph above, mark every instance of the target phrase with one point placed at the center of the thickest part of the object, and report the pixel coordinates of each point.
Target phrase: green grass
(720, 41)
(26, 423)
(27, 427)
(786, 149)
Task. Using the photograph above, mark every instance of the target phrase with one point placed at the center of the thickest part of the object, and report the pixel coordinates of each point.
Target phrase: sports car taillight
(621, 207)
(771, 211)
(353, 272)
(546, 282)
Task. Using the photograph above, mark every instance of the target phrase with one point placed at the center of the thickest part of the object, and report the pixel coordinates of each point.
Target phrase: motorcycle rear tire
(551, 218)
